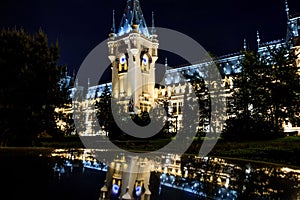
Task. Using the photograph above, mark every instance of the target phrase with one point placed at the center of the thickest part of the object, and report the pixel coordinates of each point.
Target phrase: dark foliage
(30, 89)
(265, 94)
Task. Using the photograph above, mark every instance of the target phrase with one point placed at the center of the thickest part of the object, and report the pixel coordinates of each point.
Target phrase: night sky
(219, 26)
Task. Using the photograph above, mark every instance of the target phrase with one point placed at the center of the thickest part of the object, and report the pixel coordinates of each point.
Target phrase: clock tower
(133, 52)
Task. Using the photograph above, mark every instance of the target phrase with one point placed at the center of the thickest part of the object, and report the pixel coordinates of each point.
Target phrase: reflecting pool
(78, 174)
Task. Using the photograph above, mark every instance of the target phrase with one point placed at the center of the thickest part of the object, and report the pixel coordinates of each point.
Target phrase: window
(174, 108)
(145, 63)
(123, 67)
(180, 108)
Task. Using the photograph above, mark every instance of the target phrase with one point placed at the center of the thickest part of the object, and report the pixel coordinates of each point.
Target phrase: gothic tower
(133, 53)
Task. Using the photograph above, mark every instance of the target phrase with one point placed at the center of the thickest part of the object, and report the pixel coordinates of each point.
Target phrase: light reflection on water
(201, 176)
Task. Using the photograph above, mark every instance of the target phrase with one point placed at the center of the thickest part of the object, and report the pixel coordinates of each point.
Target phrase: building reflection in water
(204, 177)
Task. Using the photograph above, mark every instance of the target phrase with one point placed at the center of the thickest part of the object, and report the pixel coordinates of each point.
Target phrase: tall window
(123, 67)
(145, 63)
(174, 108)
(180, 108)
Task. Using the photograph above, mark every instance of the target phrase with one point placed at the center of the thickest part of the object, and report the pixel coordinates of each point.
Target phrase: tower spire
(66, 72)
(133, 19)
(135, 15)
(290, 33)
(166, 62)
(258, 39)
(245, 44)
(113, 28)
(153, 31)
(287, 10)
(76, 82)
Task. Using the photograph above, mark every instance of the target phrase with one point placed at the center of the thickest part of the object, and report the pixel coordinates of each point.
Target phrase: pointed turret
(245, 44)
(73, 78)
(66, 72)
(166, 62)
(133, 18)
(74, 73)
(289, 32)
(287, 10)
(76, 83)
(135, 21)
(153, 31)
(113, 28)
(258, 39)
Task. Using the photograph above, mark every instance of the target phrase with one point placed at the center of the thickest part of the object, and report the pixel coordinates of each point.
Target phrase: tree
(206, 85)
(201, 91)
(104, 112)
(240, 124)
(283, 85)
(30, 90)
(143, 119)
(266, 92)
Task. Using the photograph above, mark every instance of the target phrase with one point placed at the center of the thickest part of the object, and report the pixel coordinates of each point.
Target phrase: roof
(294, 16)
(133, 15)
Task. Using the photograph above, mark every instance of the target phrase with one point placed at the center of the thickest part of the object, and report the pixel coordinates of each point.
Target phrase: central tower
(133, 53)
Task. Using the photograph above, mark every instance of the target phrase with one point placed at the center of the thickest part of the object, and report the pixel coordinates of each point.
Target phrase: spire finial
(290, 32)
(287, 9)
(245, 44)
(66, 72)
(76, 82)
(113, 28)
(135, 21)
(153, 25)
(166, 62)
(258, 39)
(135, 18)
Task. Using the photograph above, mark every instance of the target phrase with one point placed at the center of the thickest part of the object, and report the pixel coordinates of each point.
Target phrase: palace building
(133, 52)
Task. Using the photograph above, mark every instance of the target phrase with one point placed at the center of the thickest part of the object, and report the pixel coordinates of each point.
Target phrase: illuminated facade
(133, 53)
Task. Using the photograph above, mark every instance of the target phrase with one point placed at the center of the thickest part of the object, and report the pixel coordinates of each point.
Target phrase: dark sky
(219, 26)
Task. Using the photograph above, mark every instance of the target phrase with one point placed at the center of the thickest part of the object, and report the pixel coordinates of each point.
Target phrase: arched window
(123, 66)
(145, 63)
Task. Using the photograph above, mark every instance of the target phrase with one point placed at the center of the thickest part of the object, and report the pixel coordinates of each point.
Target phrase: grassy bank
(66, 142)
(282, 150)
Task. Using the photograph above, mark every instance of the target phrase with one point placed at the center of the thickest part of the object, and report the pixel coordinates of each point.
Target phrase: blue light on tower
(145, 60)
(123, 60)
(115, 189)
(138, 190)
